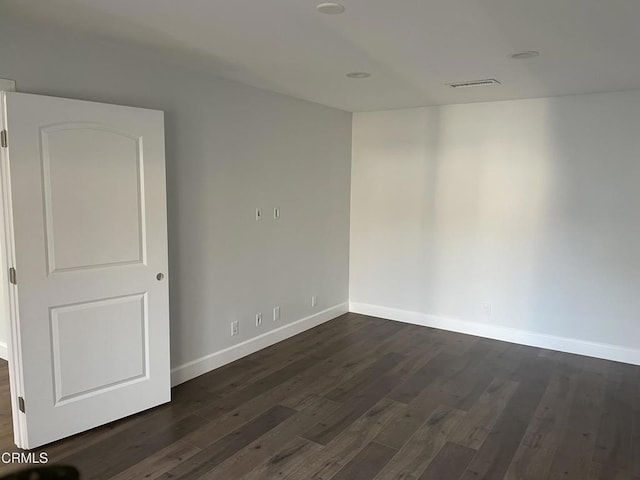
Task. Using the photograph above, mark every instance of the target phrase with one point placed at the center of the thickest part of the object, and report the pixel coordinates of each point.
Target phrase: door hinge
(21, 404)
(13, 276)
(3, 138)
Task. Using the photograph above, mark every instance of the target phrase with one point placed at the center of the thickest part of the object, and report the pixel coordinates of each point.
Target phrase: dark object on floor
(55, 472)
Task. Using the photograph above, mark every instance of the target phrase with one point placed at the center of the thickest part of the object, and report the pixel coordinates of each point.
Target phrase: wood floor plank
(207, 459)
(290, 458)
(337, 453)
(395, 434)
(504, 362)
(454, 343)
(535, 454)
(230, 402)
(446, 369)
(362, 398)
(210, 432)
(292, 392)
(342, 367)
(573, 456)
(215, 429)
(464, 388)
(483, 415)
(350, 388)
(495, 454)
(257, 452)
(129, 429)
(615, 432)
(159, 463)
(324, 377)
(107, 458)
(325, 431)
(415, 340)
(6, 419)
(598, 471)
(450, 463)
(418, 452)
(367, 463)
(635, 440)
(429, 373)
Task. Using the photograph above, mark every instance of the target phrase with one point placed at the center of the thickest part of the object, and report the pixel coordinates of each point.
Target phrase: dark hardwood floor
(361, 398)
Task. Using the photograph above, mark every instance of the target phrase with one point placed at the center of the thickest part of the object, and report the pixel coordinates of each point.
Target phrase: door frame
(7, 86)
(7, 246)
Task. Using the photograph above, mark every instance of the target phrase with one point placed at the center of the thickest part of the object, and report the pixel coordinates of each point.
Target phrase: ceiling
(411, 47)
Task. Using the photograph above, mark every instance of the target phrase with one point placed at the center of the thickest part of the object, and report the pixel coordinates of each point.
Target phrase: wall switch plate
(276, 213)
(485, 308)
(234, 328)
(276, 314)
(258, 214)
(314, 300)
(258, 319)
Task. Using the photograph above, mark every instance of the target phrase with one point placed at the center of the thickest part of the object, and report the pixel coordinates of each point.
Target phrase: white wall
(230, 148)
(532, 206)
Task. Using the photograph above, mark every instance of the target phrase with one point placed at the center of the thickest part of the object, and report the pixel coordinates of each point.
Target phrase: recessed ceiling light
(525, 55)
(358, 74)
(330, 8)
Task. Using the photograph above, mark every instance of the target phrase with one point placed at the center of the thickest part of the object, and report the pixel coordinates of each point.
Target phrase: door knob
(160, 276)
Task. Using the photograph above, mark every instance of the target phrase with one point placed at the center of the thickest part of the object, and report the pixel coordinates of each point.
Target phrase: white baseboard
(523, 337)
(215, 360)
(4, 351)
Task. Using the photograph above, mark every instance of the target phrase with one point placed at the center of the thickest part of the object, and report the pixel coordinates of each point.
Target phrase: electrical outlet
(258, 319)
(485, 308)
(276, 314)
(258, 214)
(234, 328)
(276, 213)
(314, 300)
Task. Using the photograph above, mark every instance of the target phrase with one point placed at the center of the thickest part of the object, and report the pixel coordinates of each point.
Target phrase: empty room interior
(295, 240)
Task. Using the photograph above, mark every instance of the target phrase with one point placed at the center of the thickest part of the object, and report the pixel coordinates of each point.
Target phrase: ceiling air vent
(474, 83)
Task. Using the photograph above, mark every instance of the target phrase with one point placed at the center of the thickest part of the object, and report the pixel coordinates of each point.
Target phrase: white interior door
(85, 217)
